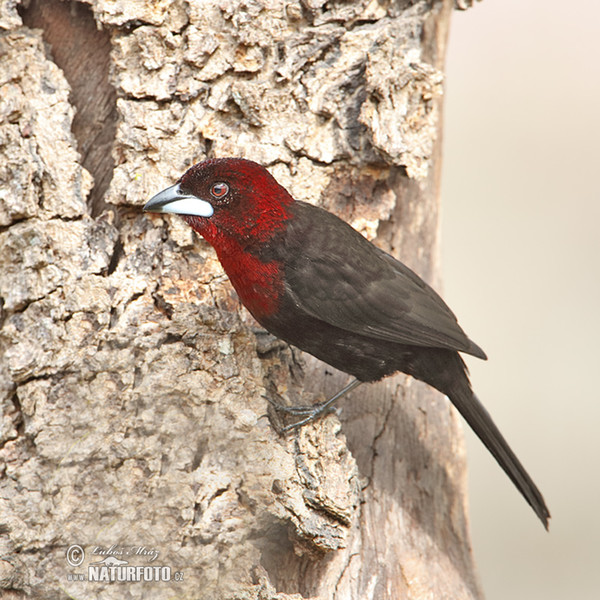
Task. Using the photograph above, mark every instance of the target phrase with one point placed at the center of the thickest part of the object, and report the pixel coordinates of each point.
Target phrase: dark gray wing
(334, 274)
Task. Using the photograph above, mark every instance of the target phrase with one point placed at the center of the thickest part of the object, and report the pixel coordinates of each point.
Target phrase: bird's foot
(311, 412)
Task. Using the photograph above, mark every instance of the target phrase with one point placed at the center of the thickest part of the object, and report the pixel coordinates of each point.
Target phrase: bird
(313, 281)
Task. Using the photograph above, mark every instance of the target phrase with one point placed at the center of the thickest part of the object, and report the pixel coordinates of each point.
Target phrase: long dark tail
(481, 423)
(451, 379)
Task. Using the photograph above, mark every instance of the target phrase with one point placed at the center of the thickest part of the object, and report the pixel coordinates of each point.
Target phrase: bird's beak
(174, 200)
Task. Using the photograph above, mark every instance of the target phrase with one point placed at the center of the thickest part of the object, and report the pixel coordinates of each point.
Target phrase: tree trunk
(135, 430)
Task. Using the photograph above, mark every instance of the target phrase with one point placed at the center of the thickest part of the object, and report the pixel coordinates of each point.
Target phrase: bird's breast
(258, 283)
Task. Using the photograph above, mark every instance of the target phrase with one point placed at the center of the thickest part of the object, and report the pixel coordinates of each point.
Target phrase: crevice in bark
(14, 222)
(277, 556)
(82, 52)
(17, 418)
(116, 257)
(163, 306)
(342, 573)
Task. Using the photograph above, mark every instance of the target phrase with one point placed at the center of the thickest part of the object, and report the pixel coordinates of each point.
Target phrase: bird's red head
(227, 199)
(238, 207)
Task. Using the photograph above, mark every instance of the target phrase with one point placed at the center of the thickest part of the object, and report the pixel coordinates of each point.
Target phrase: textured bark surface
(132, 384)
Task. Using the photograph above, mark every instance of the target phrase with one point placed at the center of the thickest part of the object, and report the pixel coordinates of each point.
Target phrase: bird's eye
(219, 190)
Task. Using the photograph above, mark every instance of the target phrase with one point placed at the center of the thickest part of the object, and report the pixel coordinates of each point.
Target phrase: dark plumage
(315, 282)
(353, 305)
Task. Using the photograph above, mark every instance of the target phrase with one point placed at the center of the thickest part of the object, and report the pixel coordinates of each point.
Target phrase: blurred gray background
(521, 266)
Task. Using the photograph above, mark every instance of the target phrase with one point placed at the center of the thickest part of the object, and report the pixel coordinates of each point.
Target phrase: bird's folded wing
(351, 284)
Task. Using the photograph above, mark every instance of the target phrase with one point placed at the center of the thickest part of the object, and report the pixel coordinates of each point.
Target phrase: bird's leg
(313, 411)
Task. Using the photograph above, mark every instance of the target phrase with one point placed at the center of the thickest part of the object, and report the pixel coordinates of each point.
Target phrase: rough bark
(132, 384)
